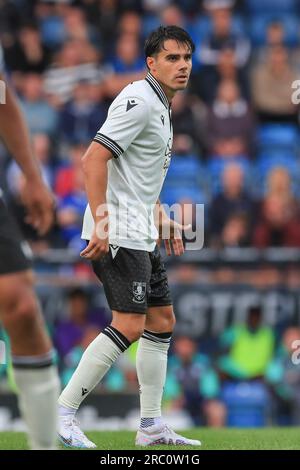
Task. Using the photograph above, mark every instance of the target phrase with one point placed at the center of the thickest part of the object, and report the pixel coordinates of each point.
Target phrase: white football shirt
(138, 132)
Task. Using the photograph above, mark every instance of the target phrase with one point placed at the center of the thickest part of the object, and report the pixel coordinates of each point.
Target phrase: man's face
(172, 65)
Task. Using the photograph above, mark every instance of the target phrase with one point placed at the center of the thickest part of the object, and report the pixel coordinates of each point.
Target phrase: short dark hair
(155, 42)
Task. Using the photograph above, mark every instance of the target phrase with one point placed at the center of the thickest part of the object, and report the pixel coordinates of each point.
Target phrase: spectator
(279, 223)
(82, 116)
(236, 231)
(248, 348)
(78, 60)
(41, 117)
(277, 227)
(229, 117)
(206, 81)
(127, 65)
(271, 87)
(76, 27)
(69, 186)
(130, 24)
(222, 37)
(192, 384)
(284, 377)
(232, 209)
(69, 176)
(28, 54)
(186, 119)
(79, 319)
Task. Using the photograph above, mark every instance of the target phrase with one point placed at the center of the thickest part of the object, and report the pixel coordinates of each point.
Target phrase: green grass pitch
(212, 439)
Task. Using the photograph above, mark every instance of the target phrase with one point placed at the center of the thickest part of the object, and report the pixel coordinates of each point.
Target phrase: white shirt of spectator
(138, 132)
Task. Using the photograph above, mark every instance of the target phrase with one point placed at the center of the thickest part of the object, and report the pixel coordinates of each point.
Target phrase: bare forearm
(14, 133)
(95, 177)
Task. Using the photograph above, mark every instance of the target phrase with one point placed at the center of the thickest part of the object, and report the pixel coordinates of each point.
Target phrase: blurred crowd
(236, 137)
(247, 376)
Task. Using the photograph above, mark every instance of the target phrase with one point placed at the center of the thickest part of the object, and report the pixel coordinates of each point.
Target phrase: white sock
(38, 385)
(95, 362)
(66, 411)
(151, 365)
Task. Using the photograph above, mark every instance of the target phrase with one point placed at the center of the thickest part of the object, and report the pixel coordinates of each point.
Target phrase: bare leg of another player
(32, 357)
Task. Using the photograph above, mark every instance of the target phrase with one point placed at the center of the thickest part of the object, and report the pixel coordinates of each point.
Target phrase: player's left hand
(174, 241)
(39, 202)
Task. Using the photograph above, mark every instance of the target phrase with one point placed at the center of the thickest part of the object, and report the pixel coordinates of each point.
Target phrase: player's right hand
(96, 248)
(40, 203)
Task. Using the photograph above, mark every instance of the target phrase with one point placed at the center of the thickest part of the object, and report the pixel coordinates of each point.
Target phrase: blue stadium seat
(278, 136)
(184, 168)
(272, 6)
(259, 24)
(247, 403)
(170, 195)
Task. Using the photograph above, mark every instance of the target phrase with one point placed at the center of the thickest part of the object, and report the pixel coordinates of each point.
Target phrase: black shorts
(133, 280)
(15, 254)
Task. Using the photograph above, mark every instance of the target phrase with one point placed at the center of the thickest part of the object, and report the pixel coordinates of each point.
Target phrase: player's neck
(168, 91)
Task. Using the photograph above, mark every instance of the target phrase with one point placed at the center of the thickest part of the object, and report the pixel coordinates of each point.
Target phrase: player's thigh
(160, 315)
(15, 253)
(160, 319)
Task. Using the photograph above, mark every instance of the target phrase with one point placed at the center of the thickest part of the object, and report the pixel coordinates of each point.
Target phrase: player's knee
(134, 333)
(167, 321)
(138, 332)
(19, 306)
(26, 309)
(130, 325)
(171, 319)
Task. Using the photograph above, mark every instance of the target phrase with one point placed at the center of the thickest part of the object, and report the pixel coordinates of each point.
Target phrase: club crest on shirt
(139, 291)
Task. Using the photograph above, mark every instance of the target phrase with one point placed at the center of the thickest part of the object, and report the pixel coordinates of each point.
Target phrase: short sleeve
(126, 119)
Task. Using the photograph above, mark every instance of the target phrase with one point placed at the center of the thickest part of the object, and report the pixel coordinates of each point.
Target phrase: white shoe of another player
(70, 434)
(162, 435)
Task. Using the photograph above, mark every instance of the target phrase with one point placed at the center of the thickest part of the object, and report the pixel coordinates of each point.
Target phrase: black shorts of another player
(133, 280)
(15, 254)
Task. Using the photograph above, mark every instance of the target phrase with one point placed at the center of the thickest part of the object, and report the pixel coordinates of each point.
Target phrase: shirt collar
(156, 86)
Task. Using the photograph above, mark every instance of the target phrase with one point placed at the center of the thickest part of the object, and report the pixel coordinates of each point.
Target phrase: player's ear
(150, 63)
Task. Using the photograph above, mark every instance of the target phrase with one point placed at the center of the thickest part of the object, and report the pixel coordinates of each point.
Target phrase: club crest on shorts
(139, 291)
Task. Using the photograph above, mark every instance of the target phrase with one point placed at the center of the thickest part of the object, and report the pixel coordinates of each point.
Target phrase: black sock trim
(117, 337)
(157, 337)
(33, 362)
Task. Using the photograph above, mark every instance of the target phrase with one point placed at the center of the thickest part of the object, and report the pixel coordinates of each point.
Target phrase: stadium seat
(271, 6)
(259, 23)
(278, 136)
(170, 195)
(247, 403)
(185, 169)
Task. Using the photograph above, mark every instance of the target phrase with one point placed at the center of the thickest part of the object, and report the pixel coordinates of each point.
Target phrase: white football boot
(70, 434)
(162, 435)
